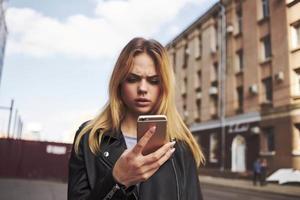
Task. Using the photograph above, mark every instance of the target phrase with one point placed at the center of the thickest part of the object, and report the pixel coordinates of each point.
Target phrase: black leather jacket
(90, 176)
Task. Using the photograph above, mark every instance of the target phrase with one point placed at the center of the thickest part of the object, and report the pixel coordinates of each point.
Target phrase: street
(213, 192)
(15, 189)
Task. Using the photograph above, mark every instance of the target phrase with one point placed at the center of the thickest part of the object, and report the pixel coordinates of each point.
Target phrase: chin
(143, 111)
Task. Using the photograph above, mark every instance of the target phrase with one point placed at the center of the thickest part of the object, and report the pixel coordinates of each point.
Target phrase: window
(267, 50)
(174, 62)
(199, 76)
(297, 81)
(186, 57)
(214, 72)
(268, 90)
(240, 94)
(216, 36)
(296, 138)
(197, 79)
(239, 20)
(214, 106)
(184, 85)
(198, 105)
(295, 35)
(265, 9)
(213, 39)
(239, 60)
(268, 140)
(198, 47)
(198, 93)
(185, 81)
(185, 112)
(213, 148)
(184, 99)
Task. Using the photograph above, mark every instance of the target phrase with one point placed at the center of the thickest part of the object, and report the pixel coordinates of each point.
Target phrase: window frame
(268, 89)
(239, 60)
(239, 20)
(295, 35)
(297, 87)
(213, 148)
(240, 96)
(266, 47)
(265, 5)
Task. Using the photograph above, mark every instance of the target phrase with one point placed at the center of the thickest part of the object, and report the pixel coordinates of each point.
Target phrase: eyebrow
(138, 76)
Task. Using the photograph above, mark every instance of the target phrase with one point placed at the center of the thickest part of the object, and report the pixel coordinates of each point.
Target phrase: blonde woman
(107, 162)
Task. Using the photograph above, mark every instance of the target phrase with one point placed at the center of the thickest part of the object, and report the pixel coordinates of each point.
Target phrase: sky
(60, 54)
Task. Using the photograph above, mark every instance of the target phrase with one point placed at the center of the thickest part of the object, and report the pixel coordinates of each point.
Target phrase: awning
(237, 119)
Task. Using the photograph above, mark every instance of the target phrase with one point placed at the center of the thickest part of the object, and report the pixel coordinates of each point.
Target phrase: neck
(128, 125)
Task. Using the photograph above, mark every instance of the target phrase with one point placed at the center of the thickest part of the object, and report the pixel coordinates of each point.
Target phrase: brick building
(238, 70)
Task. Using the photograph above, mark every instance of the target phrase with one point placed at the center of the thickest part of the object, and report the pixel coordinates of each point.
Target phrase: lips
(142, 102)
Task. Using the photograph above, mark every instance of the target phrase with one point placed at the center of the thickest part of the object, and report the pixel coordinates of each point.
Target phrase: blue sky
(60, 54)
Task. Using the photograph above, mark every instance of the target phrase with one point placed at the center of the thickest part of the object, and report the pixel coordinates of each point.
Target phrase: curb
(293, 191)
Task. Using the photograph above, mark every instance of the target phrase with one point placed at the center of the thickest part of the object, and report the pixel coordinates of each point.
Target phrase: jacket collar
(113, 135)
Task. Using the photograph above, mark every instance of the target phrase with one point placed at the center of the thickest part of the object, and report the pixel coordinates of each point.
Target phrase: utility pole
(222, 79)
(15, 124)
(10, 115)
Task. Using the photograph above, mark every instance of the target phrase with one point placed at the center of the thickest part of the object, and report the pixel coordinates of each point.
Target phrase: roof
(195, 24)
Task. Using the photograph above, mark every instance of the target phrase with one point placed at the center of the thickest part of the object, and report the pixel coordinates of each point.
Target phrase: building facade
(238, 70)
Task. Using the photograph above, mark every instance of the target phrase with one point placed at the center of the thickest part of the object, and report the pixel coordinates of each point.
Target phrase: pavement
(15, 189)
(290, 190)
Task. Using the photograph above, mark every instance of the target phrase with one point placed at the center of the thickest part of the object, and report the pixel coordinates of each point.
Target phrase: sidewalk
(15, 189)
(292, 190)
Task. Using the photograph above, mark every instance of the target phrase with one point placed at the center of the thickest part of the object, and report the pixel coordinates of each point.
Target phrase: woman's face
(141, 88)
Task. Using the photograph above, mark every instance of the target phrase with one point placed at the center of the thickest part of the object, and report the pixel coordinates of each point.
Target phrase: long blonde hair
(111, 116)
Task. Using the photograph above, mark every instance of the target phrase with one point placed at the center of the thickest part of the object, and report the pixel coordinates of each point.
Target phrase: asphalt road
(213, 192)
(15, 189)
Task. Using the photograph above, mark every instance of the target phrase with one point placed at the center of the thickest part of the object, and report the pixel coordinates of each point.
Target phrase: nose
(142, 87)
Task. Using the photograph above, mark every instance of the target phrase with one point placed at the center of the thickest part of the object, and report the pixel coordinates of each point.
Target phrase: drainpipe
(222, 78)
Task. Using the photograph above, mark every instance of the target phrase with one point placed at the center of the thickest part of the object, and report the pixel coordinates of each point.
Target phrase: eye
(154, 81)
(131, 79)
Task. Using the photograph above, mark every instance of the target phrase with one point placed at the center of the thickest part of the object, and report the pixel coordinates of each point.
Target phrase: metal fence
(34, 160)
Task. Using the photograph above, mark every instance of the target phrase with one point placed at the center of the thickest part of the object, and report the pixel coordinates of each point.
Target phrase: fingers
(144, 140)
(132, 168)
(155, 156)
(153, 167)
(162, 160)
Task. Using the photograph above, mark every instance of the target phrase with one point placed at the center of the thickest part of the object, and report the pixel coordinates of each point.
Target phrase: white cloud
(115, 22)
(32, 33)
(57, 126)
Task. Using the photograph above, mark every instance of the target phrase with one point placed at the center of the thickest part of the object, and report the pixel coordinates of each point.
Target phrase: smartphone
(144, 123)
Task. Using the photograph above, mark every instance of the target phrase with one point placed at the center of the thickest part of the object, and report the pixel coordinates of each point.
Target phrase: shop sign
(238, 128)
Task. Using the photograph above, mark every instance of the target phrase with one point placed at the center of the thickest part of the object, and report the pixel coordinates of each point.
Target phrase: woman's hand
(133, 167)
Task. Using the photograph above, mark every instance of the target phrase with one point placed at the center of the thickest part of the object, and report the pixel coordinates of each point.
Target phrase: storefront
(242, 142)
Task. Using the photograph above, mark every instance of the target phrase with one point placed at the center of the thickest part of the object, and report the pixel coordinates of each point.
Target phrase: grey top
(130, 141)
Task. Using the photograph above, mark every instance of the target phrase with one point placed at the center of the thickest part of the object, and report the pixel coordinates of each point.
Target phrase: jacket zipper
(176, 178)
(109, 166)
